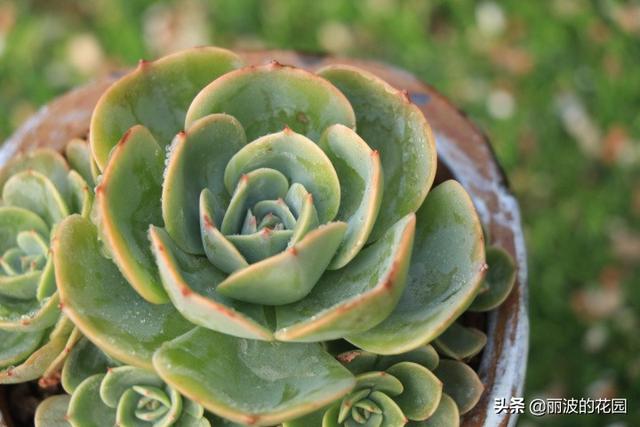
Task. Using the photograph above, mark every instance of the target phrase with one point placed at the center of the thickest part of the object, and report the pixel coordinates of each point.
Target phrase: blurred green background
(555, 85)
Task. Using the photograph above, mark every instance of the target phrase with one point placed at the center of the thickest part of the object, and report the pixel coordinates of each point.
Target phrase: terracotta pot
(464, 153)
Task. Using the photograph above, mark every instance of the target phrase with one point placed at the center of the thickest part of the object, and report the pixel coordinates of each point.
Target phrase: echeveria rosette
(39, 189)
(266, 205)
(101, 393)
(416, 388)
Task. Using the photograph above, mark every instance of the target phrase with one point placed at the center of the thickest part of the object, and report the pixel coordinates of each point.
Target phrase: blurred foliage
(555, 84)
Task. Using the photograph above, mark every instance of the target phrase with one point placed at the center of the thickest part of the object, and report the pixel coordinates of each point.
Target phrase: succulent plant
(39, 189)
(249, 219)
(123, 395)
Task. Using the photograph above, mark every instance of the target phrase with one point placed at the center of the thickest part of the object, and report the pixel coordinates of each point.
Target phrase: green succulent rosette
(417, 389)
(101, 393)
(245, 215)
(38, 190)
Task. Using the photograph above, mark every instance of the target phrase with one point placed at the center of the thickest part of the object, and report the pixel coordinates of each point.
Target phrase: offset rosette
(38, 189)
(416, 388)
(103, 394)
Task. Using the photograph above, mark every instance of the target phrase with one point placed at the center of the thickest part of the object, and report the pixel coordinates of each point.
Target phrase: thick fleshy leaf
(13, 221)
(52, 412)
(191, 281)
(85, 360)
(267, 98)
(314, 419)
(44, 161)
(17, 346)
(461, 383)
(197, 160)
(81, 194)
(128, 201)
(359, 361)
(155, 95)
(361, 182)
(299, 159)
(290, 275)
(391, 124)
(447, 415)
(101, 302)
(424, 355)
(78, 155)
(380, 381)
(500, 279)
(459, 342)
(86, 409)
(354, 298)
(47, 285)
(22, 286)
(261, 245)
(446, 271)
(300, 201)
(52, 374)
(38, 362)
(391, 413)
(252, 382)
(120, 379)
(29, 315)
(220, 251)
(422, 390)
(33, 191)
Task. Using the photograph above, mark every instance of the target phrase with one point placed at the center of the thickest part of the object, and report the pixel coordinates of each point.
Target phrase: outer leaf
(22, 286)
(128, 201)
(84, 361)
(380, 381)
(81, 194)
(38, 362)
(447, 415)
(422, 390)
(461, 383)
(267, 98)
(197, 161)
(52, 412)
(424, 355)
(299, 159)
(17, 346)
(29, 315)
(191, 281)
(44, 161)
(290, 275)
(361, 182)
(252, 382)
(78, 155)
(86, 409)
(500, 278)
(102, 304)
(33, 191)
(391, 124)
(446, 270)
(355, 298)
(14, 220)
(459, 342)
(156, 95)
